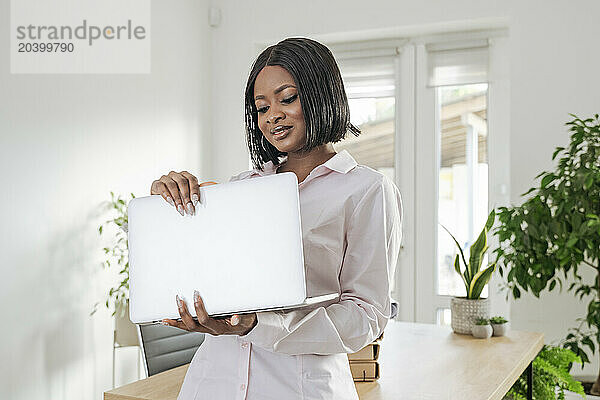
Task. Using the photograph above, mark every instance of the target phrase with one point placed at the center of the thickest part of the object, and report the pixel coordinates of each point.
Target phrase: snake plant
(473, 276)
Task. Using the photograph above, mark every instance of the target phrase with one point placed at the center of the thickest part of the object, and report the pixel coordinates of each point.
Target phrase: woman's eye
(290, 99)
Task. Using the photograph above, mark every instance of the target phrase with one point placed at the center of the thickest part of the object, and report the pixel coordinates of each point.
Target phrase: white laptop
(242, 251)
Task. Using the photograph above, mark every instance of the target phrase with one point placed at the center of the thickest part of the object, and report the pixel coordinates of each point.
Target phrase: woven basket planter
(464, 313)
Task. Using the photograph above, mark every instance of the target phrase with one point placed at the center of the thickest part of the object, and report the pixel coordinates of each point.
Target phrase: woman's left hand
(237, 324)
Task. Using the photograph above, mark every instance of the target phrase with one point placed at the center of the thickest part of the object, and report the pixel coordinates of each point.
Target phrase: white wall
(553, 66)
(66, 141)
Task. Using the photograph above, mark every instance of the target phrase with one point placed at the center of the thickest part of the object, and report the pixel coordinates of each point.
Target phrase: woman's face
(278, 105)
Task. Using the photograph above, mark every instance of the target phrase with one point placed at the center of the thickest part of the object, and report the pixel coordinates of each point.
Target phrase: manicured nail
(235, 319)
(196, 296)
(179, 301)
(170, 200)
(164, 323)
(195, 199)
(180, 209)
(190, 210)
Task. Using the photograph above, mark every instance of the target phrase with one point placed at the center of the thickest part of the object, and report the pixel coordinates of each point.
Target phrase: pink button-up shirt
(351, 231)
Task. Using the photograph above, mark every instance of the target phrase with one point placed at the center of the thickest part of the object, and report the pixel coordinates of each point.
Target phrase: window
(423, 105)
(375, 145)
(368, 71)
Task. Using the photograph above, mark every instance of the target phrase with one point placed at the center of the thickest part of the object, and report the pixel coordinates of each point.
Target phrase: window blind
(368, 67)
(457, 63)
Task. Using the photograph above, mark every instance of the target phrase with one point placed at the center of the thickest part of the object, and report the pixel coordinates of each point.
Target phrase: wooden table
(417, 362)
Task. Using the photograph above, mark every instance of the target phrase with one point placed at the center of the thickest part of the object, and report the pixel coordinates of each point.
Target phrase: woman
(296, 107)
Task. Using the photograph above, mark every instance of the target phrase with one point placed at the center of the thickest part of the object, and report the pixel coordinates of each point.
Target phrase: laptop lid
(242, 250)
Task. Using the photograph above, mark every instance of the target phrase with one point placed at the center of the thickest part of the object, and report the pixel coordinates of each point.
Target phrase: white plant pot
(464, 313)
(125, 330)
(482, 331)
(501, 329)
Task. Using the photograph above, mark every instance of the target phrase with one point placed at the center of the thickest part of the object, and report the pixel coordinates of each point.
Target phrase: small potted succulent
(499, 325)
(482, 328)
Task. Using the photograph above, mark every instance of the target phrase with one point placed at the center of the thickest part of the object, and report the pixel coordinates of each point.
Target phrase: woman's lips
(281, 134)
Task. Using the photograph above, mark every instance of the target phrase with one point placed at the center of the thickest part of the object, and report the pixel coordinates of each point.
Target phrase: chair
(166, 347)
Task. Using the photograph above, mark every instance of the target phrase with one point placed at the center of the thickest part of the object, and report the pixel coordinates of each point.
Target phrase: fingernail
(235, 320)
(164, 323)
(179, 301)
(170, 200)
(195, 199)
(180, 209)
(196, 295)
(190, 210)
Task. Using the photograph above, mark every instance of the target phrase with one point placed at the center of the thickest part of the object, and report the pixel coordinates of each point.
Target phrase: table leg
(530, 381)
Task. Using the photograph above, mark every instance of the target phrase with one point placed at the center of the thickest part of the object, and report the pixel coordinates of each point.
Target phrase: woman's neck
(303, 164)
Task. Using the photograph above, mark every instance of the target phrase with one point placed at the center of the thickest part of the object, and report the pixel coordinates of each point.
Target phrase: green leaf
(558, 150)
(461, 254)
(552, 285)
(588, 342)
(589, 181)
(527, 192)
(457, 269)
(480, 280)
(476, 253)
(548, 179)
(516, 292)
(490, 220)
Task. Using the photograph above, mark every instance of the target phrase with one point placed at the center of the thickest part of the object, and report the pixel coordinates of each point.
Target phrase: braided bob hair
(320, 90)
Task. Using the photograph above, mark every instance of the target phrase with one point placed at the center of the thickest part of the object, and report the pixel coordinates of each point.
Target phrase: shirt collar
(342, 162)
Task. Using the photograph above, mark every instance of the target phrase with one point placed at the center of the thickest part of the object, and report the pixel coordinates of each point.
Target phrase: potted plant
(482, 328)
(465, 310)
(554, 233)
(500, 325)
(550, 376)
(117, 298)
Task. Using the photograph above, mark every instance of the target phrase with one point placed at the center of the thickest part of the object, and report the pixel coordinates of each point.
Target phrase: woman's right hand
(180, 189)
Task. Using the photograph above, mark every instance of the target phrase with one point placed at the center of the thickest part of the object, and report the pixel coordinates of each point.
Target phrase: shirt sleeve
(373, 238)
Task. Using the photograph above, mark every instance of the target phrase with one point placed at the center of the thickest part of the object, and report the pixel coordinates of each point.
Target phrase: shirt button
(243, 386)
(244, 345)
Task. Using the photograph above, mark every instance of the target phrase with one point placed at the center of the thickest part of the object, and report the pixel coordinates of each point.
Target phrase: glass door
(462, 181)
(451, 170)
